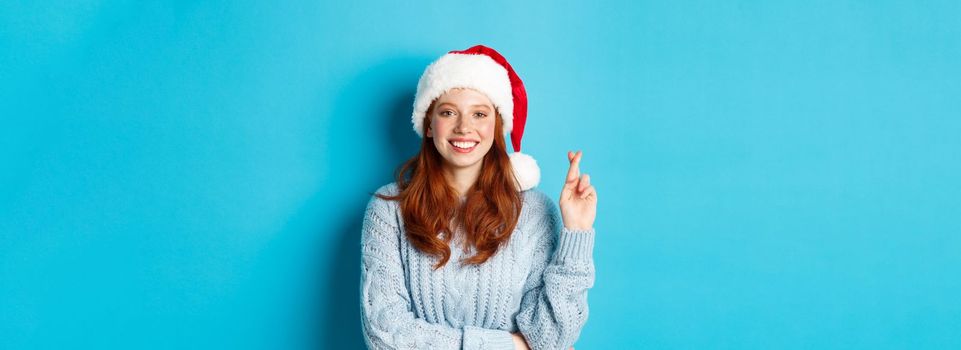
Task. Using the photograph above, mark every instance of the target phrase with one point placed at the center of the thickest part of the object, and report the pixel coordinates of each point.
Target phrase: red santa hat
(485, 70)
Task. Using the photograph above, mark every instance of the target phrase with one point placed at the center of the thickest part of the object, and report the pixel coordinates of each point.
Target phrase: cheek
(441, 125)
(487, 129)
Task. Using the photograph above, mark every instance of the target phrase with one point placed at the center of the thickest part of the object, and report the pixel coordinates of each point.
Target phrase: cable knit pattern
(537, 284)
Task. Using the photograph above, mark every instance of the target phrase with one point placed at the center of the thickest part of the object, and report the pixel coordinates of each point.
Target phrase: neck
(462, 178)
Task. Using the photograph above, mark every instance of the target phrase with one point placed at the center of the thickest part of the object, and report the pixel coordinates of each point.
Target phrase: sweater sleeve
(388, 322)
(554, 306)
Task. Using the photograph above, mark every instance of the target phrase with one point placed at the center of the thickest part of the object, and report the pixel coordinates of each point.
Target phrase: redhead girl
(460, 252)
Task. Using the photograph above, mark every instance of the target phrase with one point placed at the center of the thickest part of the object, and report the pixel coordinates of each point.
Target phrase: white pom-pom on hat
(526, 171)
(483, 69)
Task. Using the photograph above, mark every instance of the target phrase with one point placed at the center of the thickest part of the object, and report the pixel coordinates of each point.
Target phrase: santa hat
(482, 69)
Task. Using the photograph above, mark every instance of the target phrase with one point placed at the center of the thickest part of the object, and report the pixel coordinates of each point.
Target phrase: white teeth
(464, 145)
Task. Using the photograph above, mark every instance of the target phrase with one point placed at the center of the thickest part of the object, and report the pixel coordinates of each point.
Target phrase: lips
(463, 146)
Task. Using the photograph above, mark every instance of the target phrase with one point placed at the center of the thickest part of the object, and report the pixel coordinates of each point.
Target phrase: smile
(463, 147)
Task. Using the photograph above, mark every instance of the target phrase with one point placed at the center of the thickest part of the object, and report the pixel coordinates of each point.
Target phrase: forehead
(464, 97)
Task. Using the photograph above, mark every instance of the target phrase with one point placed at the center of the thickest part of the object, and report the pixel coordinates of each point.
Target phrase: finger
(585, 181)
(573, 171)
(588, 192)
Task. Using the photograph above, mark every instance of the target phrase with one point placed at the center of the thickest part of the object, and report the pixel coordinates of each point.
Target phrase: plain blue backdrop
(194, 174)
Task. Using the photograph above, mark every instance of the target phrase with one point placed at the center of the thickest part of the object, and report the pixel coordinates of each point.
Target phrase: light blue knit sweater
(537, 284)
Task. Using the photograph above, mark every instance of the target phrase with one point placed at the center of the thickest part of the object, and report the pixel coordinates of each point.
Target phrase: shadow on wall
(369, 136)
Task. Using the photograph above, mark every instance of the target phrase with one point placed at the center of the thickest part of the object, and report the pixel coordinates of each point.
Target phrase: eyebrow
(453, 105)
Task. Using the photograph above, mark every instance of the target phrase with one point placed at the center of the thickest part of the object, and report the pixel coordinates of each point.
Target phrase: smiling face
(462, 128)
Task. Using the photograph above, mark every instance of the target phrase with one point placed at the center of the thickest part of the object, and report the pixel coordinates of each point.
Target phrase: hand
(519, 342)
(578, 198)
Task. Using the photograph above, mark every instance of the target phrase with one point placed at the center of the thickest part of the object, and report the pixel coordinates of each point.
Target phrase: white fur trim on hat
(526, 170)
(453, 70)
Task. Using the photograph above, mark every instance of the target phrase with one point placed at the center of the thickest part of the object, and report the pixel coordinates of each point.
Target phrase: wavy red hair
(430, 206)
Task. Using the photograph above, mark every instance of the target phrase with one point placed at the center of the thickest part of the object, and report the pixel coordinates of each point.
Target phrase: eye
(480, 114)
(447, 113)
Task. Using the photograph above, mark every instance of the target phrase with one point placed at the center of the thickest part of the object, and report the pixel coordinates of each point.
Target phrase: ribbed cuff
(575, 245)
(476, 338)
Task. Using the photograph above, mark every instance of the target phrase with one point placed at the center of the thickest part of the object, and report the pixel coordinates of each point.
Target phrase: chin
(465, 164)
(462, 163)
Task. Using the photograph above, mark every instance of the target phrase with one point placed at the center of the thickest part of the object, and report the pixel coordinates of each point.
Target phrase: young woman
(460, 252)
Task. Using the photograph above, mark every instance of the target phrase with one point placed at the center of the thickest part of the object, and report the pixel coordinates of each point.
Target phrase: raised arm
(388, 322)
(554, 307)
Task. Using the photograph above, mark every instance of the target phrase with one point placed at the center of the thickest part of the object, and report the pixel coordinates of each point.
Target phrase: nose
(463, 125)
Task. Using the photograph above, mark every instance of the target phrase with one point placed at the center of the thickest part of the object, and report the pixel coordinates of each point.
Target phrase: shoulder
(536, 203)
(380, 230)
(382, 208)
(390, 189)
(539, 216)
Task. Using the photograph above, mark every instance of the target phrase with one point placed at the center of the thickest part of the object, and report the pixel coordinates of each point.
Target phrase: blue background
(193, 175)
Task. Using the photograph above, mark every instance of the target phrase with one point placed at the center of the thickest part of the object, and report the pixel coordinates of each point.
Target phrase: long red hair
(429, 204)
